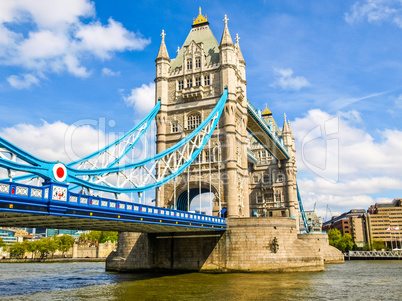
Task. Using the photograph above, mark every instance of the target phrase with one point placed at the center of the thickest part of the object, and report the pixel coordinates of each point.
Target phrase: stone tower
(272, 184)
(189, 86)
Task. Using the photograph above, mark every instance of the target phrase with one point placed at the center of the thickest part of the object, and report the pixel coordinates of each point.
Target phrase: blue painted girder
(55, 200)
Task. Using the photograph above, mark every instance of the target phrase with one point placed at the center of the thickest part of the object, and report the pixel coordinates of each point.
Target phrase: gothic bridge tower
(189, 86)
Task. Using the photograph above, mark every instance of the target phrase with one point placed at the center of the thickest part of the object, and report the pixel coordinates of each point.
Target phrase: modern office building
(384, 221)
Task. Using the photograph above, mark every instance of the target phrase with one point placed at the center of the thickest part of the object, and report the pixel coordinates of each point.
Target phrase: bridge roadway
(53, 206)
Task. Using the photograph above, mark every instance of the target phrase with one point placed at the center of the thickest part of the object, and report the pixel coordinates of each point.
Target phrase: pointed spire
(290, 129)
(286, 127)
(163, 53)
(226, 38)
(239, 54)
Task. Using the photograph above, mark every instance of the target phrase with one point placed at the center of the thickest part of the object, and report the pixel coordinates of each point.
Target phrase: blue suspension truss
(303, 214)
(129, 141)
(97, 173)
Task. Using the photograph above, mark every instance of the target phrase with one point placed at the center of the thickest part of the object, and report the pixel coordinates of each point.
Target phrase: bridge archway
(182, 202)
(209, 198)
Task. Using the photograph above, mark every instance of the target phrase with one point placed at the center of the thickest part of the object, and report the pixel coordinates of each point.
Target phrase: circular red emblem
(59, 172)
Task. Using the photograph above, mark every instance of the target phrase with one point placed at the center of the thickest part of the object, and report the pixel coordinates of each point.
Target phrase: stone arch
(181, 195)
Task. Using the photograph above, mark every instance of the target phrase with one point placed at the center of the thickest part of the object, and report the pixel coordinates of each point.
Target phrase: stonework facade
(189, 87)
(247, 182)
(249, 245)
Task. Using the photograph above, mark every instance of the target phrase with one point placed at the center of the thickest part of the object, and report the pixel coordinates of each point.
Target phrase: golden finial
(200, 19)
(266, 111)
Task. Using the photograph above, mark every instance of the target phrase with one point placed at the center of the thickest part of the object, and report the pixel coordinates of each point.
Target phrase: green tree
(109, 236)
(378, 245)
(17, 249)
(334, 235)
(64, 243)
(343, 243)
(2, 243)
(83, 237)
(30, 247)
(51, 245)
(99, 236)
(46, 246)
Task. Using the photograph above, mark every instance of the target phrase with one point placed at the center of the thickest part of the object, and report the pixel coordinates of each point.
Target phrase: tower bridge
(209, 138)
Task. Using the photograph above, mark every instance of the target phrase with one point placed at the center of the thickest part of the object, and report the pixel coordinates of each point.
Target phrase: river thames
(353, 280)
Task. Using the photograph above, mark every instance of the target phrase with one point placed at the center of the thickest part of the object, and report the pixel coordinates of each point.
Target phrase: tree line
(49, 245)
(345, 243)
(42, 247)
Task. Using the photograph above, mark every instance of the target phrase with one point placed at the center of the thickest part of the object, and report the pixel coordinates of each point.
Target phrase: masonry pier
(247, 246)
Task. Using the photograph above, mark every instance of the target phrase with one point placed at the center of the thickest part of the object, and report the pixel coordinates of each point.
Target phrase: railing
(377, 254)
(58, 195)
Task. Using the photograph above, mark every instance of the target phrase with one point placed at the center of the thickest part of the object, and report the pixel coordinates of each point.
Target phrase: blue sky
(77, 62)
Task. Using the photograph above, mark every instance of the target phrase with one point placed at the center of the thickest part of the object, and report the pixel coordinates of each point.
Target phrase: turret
(161, 93)
(227, 58)
(162, 68)
(288, 139)
(240, 59)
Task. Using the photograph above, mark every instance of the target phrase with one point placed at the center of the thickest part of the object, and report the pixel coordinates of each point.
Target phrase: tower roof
(201, 33)
(163, 53)
(226, 38)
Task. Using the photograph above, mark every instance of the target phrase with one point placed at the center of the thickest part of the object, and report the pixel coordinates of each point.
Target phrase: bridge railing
(374, 254)
(58, 196)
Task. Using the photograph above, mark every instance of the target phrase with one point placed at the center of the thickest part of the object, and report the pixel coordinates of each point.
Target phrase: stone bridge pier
(248, 245)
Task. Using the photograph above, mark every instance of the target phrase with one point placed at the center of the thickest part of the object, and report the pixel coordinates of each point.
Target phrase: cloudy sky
(86, 68)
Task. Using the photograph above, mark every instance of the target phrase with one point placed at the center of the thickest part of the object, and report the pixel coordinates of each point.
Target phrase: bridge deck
(52, 206)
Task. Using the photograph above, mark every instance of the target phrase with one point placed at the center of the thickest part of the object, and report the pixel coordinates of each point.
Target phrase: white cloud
(103, 40)
(46, 13)
(142, 98)
(288, 81)
(365, 165)
(58, 39)
(358, 151)
(22, 82)
(55, 141)
(376, 11)
(108, 72)
(398, 102)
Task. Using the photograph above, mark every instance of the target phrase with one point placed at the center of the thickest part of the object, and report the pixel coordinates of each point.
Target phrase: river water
(353, 280)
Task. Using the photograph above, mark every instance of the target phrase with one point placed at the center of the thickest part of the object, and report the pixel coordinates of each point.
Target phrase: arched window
(193, 120)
